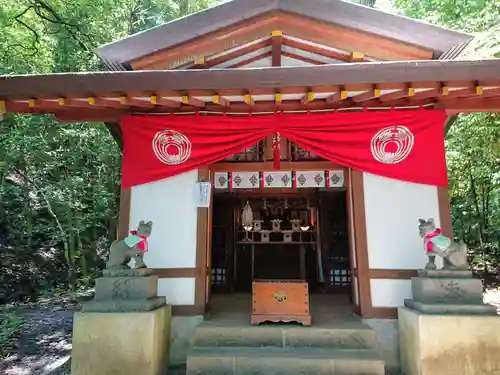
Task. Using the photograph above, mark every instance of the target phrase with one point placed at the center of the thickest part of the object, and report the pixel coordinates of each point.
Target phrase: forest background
(59, 183)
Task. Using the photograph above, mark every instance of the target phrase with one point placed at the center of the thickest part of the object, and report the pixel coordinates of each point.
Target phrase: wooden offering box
(280, 301)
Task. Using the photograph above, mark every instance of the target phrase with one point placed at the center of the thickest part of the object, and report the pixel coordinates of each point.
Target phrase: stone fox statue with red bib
(454, 254)
(133, 246)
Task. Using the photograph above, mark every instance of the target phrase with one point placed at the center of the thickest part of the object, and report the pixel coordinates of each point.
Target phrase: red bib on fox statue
(404, 145)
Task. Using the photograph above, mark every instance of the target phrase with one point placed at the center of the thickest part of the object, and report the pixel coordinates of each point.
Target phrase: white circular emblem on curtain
(393, 144)
(171, 147)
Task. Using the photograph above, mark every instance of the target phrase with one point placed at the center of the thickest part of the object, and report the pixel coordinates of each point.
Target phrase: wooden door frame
(205, 215)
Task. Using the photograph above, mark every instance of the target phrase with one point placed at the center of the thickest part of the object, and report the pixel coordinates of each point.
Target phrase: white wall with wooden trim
(389, 292)
(392, 210)
(171, 205)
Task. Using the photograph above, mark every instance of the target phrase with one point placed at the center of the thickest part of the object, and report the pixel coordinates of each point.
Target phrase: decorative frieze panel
(279, 179)
(310, 179)
(335, 179)
(221, 180)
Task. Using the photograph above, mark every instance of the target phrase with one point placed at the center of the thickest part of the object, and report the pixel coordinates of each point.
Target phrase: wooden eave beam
(467, 105)
(451, 105)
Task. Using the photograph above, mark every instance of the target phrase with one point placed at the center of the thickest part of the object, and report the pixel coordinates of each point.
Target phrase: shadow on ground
(44, 346)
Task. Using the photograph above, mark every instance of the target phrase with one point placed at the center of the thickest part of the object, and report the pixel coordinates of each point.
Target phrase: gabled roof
(445, 43)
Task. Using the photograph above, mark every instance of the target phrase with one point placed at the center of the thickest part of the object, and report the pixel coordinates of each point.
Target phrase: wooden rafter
(308, 98)
(294, 43)
(407, 91)
(231, 55)
(199, 63)
(219, 100)
(303, 58)
(132, 102)
(194, 102)
(247, 98)
(250, 60)
(104, 102)
(337, 97)
(374, 93)
(160, 101)
(321, 33)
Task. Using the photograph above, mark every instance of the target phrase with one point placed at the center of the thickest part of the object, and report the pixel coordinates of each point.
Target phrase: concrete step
(284, 361)
(341, 335)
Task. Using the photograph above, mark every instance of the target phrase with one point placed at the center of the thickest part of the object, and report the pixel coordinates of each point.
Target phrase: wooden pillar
(202, 248)
(445, 212)
(361, 244)
(276, 43)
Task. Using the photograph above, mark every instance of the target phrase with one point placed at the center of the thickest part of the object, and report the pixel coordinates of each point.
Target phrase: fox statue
(133, 246)
(454, 254)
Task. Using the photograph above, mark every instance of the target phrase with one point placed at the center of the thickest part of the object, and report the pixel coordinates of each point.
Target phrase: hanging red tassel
(276, 151)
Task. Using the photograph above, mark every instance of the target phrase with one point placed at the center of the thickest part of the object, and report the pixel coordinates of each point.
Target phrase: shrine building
(284, 150)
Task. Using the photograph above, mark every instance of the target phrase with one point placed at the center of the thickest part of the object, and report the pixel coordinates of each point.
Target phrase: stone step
(284, 361)
(342, 335)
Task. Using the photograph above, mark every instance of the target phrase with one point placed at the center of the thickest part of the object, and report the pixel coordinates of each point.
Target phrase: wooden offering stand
(280, 301)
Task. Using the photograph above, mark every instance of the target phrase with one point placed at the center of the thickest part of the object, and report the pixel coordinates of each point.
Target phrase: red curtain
(404, 145)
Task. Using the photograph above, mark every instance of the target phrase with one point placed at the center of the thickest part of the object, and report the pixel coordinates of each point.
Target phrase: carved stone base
(447, 290)
(125, 293)
(107, 288)
(127, 272)
(121, 343)
(432, 344)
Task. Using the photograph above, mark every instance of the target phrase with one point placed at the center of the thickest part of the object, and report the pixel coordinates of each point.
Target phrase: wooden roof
(458, 86)
(240, 16)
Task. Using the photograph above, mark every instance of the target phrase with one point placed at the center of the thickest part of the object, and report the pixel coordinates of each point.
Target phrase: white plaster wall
(179, 291)
(392, 211)
(171, 205)
(390, 292)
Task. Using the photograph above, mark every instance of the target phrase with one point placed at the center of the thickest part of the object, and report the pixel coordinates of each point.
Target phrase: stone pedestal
(447, 292)
(124, 343)
(446, 329)
(125, 329)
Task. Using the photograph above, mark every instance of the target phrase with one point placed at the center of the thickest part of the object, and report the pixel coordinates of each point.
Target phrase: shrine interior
(294, 236)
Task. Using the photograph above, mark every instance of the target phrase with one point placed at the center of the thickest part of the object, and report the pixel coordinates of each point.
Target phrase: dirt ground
(44, 347)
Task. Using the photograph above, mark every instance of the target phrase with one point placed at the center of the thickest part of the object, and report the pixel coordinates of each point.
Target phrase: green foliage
(473, 143)
(59, 182)
(10, 329)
